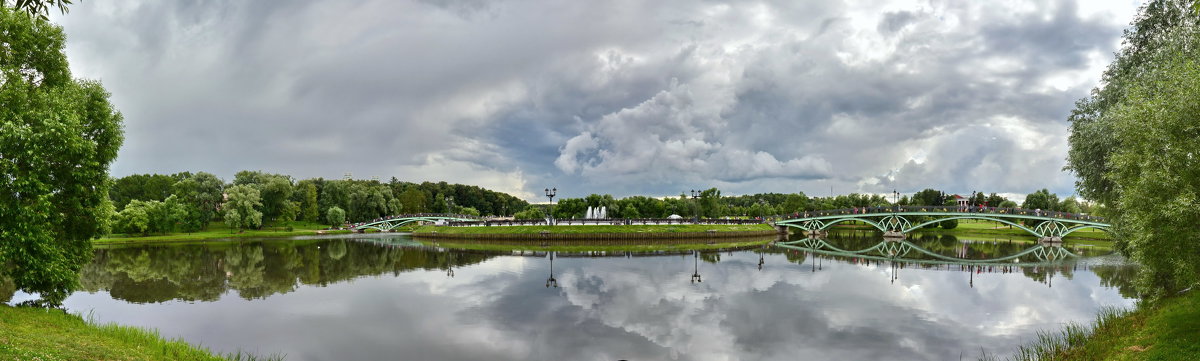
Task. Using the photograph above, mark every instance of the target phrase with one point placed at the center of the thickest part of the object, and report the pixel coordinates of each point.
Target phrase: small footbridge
(385, 224)
(1047, 226)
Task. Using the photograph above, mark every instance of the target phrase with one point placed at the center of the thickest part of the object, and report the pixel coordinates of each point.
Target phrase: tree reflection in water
(144, 274)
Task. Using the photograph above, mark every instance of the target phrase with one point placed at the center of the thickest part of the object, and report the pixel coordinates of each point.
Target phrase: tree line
(189, 202)
(710, 203)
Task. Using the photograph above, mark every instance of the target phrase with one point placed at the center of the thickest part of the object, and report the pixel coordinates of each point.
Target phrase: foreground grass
(577, 229)
(40, 334)
(1166, 330)
(218, 230)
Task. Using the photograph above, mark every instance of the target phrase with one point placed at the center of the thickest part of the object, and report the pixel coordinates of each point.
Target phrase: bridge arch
(825, 225)
(1035, 233)
(391, 223)
(1080, 227)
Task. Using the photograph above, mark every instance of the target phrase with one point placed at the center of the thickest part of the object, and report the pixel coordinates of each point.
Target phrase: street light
(696, 218)
(551, 282)
(696, 267)
(551, 192)
(896, 199)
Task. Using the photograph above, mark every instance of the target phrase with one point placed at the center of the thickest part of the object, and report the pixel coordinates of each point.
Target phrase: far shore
(218, 232)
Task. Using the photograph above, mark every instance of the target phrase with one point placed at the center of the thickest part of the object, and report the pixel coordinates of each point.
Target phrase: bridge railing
(944, 209)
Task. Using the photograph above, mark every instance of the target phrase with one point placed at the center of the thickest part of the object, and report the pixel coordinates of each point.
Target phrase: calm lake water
(382, 298)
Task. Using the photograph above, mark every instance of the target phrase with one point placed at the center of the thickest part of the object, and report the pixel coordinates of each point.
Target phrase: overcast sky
(628, 98)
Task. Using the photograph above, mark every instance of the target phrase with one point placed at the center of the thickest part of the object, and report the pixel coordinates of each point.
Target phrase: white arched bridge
(384, 224)
(1047, 226)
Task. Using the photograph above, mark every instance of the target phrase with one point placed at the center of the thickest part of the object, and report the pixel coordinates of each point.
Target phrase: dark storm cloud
(620, 97)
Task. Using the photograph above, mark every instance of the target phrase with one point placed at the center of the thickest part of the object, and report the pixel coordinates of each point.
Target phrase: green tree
(414, 200)
(1042, 199)
(568, 208)
(530, 213)
(289, 213)
(145, 187)
(1069, 205)
(795, 203)
(335, 216)
(242, 207)
(38, 8)
(57, 138)
(994, 200)
(106, 216)
(439, 204)
(631, 213)
(710, 203)
(308, 208)
(1093, 125)
(200, 194)
(927, 197)
(276, 192)
(1155, 166)
(135, 218)
(166, 214)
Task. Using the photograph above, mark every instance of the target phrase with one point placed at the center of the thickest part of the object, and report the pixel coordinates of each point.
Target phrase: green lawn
(576, 229)
(50, 335)
(1167, 330)
(218, 230)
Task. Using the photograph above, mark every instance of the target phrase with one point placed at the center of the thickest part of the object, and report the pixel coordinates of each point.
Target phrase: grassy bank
(40, 334)
(576, 229)
(218, 230)
(1166, 330)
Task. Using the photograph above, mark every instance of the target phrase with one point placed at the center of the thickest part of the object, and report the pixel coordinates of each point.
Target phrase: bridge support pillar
(1050, 240)
(893, 234)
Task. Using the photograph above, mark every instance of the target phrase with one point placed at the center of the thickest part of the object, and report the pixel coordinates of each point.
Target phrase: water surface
(381, 297)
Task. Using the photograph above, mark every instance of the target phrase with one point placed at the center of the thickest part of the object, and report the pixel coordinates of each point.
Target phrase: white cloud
(632, 98)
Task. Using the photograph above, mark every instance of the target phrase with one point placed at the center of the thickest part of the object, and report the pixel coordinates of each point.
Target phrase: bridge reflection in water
(1036, 259)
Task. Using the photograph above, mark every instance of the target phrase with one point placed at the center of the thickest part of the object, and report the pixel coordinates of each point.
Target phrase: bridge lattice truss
(899, 250)
(393, 222)
(903, 222)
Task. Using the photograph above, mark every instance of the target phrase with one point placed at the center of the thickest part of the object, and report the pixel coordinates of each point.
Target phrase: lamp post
(896, 199)
(551, 282)
(696, 267)
(696, 212)
(551, 192)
